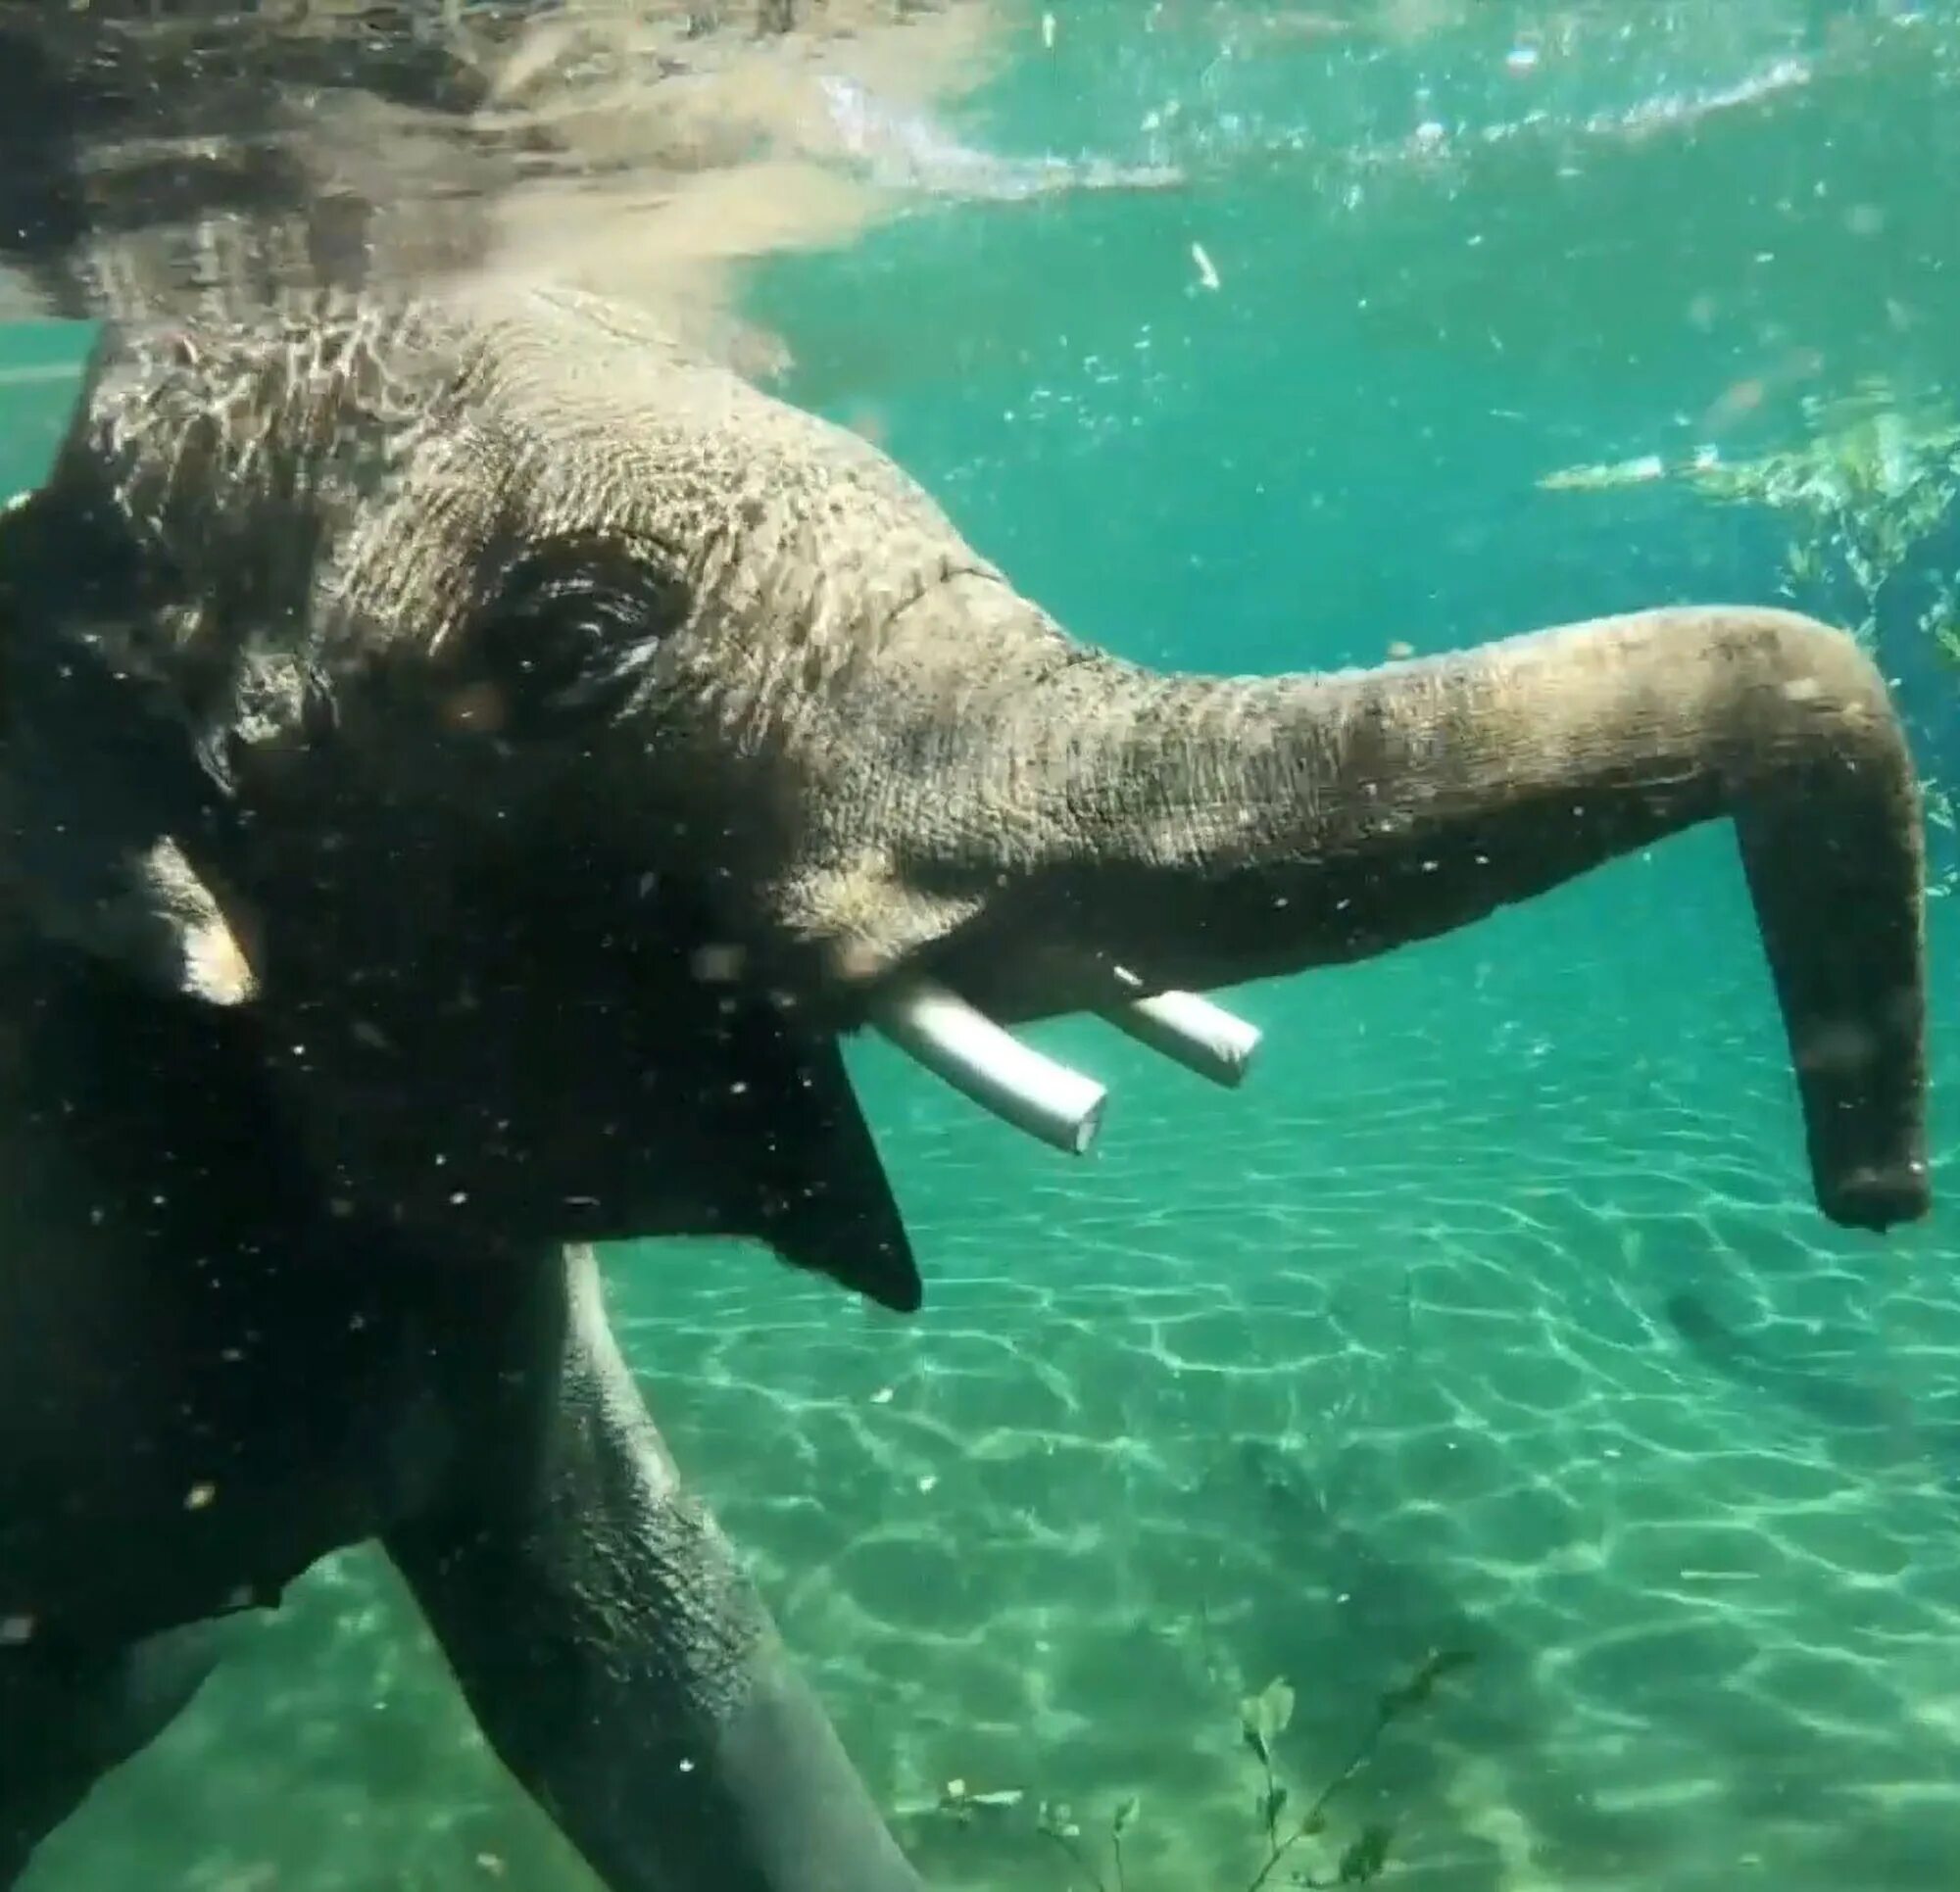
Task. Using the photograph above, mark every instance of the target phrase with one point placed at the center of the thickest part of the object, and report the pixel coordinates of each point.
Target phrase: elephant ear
(822, 1198)
(101, 803)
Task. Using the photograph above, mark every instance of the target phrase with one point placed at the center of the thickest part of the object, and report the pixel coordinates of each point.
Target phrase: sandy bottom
(1452, 1331)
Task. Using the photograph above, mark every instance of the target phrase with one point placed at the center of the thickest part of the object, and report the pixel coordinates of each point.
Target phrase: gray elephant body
(467, 765)
(212, 1375)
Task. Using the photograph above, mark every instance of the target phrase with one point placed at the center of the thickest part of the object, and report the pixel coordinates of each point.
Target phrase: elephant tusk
(1201, 1036)
(983, 1062)
(213, 964)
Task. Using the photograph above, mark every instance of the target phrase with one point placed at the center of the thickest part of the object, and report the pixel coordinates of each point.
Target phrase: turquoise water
(1374, 1356)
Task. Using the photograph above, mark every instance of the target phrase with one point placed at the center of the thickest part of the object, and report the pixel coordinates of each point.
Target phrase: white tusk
(1201, 1036)
(1000, 1073)
(213, 964)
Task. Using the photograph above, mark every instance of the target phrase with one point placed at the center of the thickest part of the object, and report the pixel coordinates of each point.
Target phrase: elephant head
(546, 746)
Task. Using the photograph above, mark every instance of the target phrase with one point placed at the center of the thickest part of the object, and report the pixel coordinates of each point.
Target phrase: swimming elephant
(467, 765)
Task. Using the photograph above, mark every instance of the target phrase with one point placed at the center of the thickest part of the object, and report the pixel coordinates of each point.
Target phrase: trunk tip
(1877, 1197)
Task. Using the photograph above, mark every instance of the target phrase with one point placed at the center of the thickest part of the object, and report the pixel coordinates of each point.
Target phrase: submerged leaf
(1365, 1857)
(997, 1799)
(1272, 1803)
(1416, 1691)
(1265, 1716)
(1124, 1817)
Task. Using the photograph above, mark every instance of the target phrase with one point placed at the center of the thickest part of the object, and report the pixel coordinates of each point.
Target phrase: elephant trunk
(1198, 832)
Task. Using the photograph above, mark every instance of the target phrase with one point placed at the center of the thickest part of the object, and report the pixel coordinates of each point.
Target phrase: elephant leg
(617, 1658)
(68, 1715)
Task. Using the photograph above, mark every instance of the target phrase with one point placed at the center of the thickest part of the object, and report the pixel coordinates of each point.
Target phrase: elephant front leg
(621, 1664)
(69, 1715)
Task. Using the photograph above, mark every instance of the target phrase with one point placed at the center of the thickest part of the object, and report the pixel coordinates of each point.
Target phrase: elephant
(469, 762)
(468, 766)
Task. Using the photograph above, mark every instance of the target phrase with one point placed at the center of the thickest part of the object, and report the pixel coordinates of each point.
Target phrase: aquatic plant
(1872, 480)
(1869, 483)
(1262, 1719)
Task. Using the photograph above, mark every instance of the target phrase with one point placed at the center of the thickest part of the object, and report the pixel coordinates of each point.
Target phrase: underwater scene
(1460, 1458)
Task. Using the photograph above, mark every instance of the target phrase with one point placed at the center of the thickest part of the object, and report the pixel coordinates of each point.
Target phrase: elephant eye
(570, 635)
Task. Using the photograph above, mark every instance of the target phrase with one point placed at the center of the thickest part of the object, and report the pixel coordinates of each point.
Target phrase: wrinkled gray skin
(228, 1346)
(464, 765)
(467, 765)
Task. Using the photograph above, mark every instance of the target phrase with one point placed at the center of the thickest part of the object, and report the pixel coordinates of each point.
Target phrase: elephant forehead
(605, 422)
(199, 434)
(388, 448)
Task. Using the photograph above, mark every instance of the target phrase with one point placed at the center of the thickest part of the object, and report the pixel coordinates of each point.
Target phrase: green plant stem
(1081, 1861)
(1265, 1872)
(1310, 1820)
